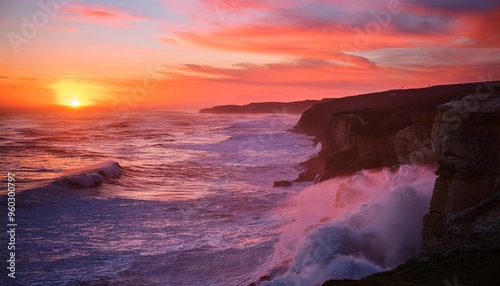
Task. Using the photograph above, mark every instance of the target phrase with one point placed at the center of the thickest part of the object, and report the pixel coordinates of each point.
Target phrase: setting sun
(79, 93)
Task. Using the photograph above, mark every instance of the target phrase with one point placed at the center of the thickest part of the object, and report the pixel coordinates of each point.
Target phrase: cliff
(466, 135)
(296, 107)
(379, 129)
(455, 128)
(461, 232)
(461, 235)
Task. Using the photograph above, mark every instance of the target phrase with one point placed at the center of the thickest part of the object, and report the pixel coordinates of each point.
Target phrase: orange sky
(199, 53)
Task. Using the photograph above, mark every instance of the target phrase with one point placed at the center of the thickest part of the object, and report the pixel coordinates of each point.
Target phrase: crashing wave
(351, 227)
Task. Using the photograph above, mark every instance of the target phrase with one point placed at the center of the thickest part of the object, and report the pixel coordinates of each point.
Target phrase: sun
(75, 103)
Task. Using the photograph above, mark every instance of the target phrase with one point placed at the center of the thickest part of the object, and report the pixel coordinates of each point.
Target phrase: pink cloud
(483, 29)
(326, 30)
(331, 55)
(100, 15)
(290, 41)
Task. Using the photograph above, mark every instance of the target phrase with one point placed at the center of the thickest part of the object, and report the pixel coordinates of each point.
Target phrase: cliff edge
(461, 232)
(466, 136)
(380, 129)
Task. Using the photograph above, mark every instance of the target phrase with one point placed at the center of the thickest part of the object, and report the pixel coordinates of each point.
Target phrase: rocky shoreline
(380, 129)
(455, 128)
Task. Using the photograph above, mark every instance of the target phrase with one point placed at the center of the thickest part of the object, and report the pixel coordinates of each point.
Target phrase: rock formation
(466, 137)
(457, 129)
(296, 107)
(379, 129)
(280, 184)
(454, 127)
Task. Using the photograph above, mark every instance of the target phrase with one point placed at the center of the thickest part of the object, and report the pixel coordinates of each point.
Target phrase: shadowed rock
(381, 129)
(282, 184)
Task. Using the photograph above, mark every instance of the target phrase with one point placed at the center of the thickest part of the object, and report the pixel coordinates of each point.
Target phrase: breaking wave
(351, 227)
(84, 177)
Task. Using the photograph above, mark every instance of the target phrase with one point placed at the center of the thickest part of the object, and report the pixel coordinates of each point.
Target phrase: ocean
(194, 206)
(181, 198)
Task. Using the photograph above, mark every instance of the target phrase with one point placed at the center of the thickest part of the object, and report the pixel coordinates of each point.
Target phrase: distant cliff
(378, 129)
(296, 107)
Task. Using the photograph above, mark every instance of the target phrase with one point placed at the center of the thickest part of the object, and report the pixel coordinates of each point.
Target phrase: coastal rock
(414, 145)
(379, 129)
(467, 145)
(282, 184)
(453, 127)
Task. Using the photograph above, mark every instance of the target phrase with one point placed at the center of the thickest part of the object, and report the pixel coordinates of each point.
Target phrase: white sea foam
(351, 227)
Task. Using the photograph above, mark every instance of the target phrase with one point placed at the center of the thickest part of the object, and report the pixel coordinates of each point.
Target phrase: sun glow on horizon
(75, 93)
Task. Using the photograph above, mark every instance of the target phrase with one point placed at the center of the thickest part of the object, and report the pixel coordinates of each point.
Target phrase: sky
(199, 53)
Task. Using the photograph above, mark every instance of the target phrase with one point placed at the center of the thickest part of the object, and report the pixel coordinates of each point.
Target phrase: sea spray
(351, 227)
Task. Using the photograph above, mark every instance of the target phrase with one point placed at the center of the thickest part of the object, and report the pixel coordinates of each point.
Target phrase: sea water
(181, 198)
(191, 202)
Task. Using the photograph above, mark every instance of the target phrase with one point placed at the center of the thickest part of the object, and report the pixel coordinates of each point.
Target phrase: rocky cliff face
(466, 137)
(376, 138)
(414, 145)
(360, 138)
(461, 235)
(379, 129)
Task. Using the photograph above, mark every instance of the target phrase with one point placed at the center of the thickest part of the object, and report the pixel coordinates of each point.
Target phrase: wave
(85, 177)
(351, 227)
(94, 175)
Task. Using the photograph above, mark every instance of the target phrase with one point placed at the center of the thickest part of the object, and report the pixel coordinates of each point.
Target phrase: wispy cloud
(100, 15)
